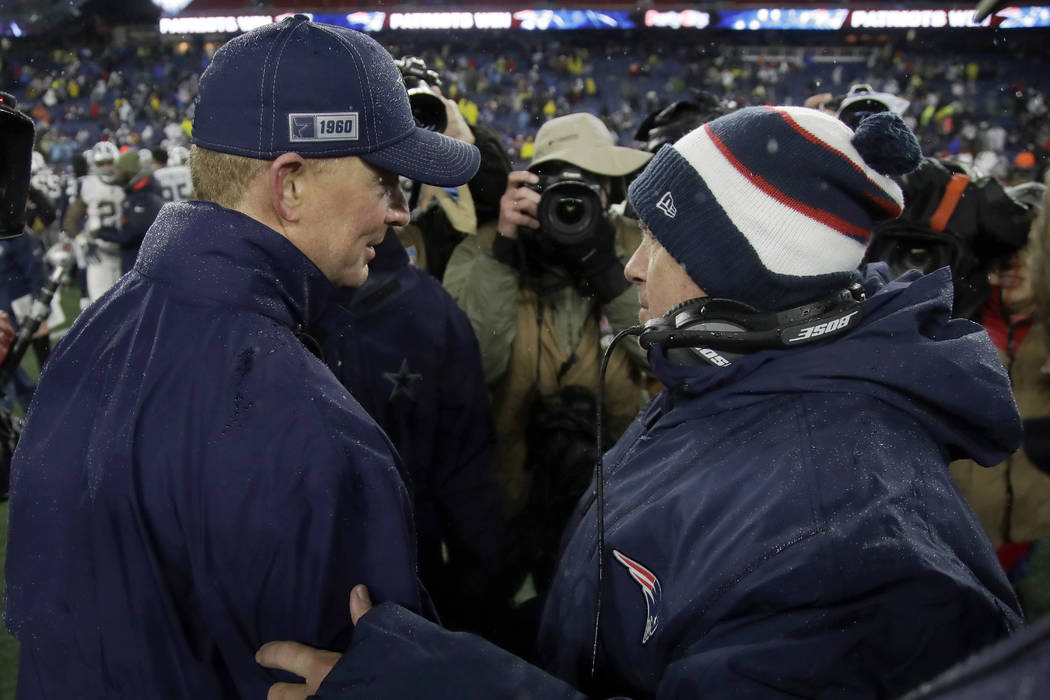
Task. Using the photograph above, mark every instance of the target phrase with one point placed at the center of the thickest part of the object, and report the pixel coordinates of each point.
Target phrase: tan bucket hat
(584, 141)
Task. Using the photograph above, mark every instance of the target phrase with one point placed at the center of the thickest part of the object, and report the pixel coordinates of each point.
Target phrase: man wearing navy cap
(191, 476)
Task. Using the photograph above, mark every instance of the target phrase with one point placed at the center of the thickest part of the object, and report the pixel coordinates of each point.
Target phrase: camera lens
(903, 253)
(427, 109)
(921, 259)
(569, 212)
(854, 113)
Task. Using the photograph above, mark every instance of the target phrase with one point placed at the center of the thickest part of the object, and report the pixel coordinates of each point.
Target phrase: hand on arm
(313, 665)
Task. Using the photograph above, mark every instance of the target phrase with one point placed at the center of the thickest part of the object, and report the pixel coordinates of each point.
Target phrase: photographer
(953, 217)
(443, 217)
(983, 233)
(22, 276)
(668, 124)
(22, 269)
(541, 293)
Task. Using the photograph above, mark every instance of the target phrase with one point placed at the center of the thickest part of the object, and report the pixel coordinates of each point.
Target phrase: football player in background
(99, 200)
(173, 175)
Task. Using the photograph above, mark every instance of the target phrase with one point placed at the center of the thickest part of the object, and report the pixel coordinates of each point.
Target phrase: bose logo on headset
(713, 357)
(822, 328)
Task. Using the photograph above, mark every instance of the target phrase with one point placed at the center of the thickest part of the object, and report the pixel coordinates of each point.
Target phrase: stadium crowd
(961, 101)
(436, 389)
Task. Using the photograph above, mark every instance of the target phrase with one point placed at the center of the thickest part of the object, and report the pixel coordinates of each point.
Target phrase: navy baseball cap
(322, 92)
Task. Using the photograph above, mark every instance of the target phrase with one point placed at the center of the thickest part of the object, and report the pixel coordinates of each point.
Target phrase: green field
(8, 645)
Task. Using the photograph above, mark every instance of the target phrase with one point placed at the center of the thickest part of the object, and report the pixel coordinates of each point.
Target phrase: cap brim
(429, 157)
(613, 161)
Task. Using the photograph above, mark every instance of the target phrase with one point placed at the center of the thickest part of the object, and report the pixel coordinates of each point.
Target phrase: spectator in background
(22, 277)
(953, 218)
(190, 468)
(544, 292)
(442, 217)
(978, 229)
(1012, 499)
(172, 173)
(670, 123)
(408, 354)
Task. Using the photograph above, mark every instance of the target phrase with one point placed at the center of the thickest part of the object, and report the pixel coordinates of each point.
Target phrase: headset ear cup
(657, 327)
(703, 314)
(693, 311)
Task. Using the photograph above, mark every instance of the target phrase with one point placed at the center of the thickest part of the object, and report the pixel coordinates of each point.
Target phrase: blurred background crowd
(970, 99)
(112, 99)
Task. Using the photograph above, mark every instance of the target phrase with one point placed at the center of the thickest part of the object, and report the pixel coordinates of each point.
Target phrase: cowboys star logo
(402, 381)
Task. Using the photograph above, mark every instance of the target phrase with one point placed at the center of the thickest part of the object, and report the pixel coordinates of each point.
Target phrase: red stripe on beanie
(888, 205)
(844, 227)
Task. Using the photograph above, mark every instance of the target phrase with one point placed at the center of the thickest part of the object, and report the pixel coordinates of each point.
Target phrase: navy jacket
(407, 352)
(783, 527)
(1014, 669)
(22, 270)
(142, 202)
(193, 482)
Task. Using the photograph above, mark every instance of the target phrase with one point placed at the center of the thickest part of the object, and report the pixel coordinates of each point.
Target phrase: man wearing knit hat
(192, 480)
(780, 522)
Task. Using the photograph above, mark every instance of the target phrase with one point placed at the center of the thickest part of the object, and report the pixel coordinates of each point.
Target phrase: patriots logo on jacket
(650, 590)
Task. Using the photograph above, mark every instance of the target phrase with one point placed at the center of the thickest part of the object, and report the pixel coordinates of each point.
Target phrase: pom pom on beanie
(774, 206)
(886, 144)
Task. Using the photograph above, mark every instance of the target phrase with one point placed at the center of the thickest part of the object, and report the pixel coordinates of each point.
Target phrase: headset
(718, 331)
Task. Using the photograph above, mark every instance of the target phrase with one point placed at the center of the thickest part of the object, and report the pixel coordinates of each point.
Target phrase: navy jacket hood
(262, 272)
(945, 372)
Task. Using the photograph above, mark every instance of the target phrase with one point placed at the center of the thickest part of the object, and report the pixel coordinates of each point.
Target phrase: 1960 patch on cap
(331, 126)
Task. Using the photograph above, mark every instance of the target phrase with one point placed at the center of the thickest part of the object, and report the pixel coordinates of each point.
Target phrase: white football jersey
(174, 182)
(103, 202)
(48, 182)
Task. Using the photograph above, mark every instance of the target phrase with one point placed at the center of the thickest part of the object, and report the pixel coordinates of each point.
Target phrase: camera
(427, 108)
(905, 247)
(16, 149)
(570, 208)
(862, 101)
